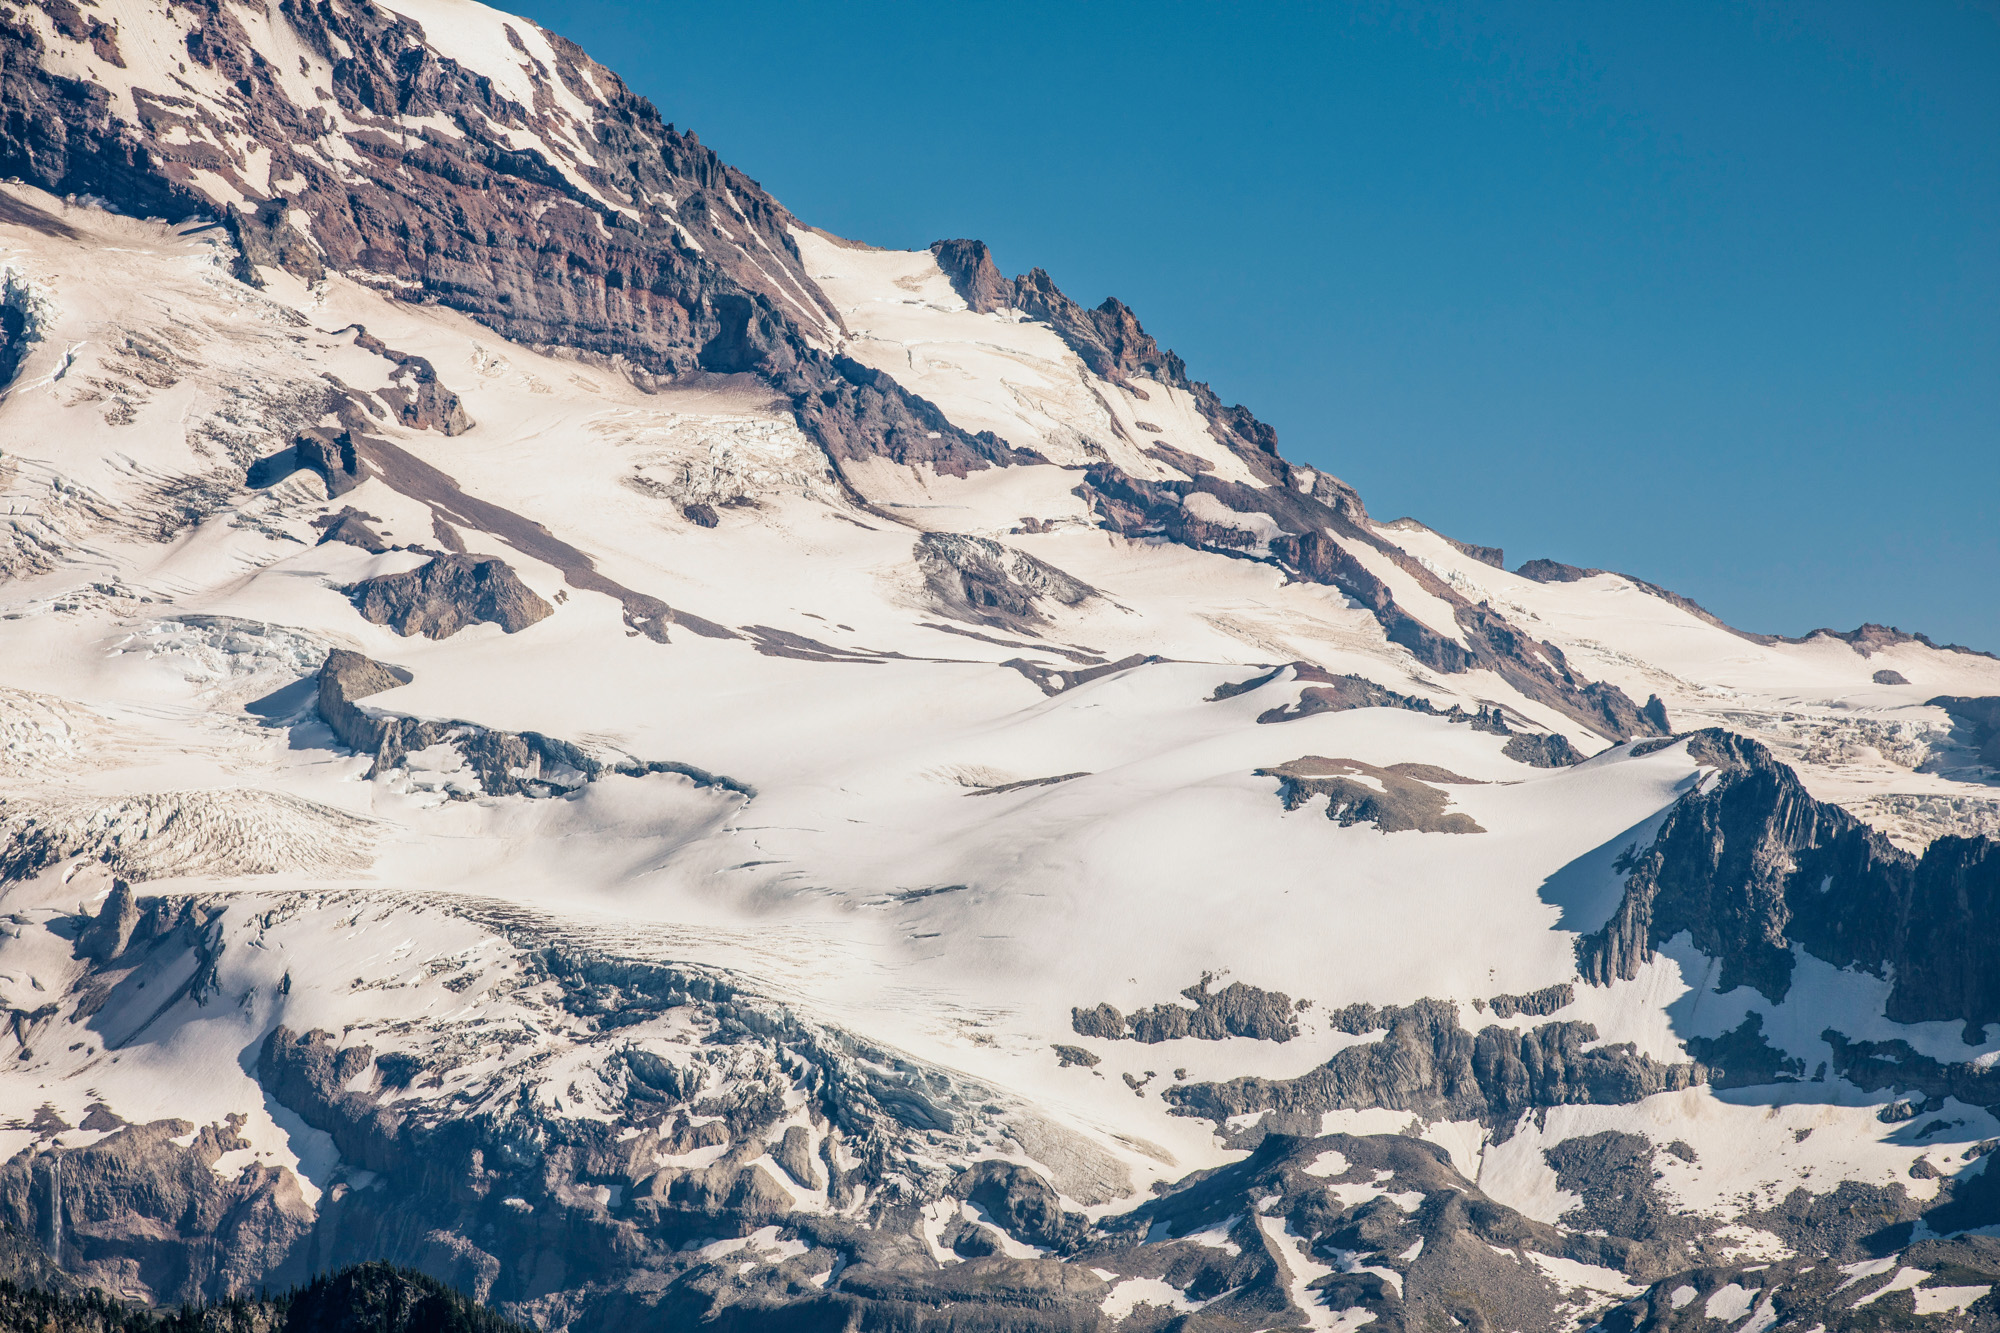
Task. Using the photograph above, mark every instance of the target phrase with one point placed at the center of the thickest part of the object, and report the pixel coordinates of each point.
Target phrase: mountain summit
(566, 729)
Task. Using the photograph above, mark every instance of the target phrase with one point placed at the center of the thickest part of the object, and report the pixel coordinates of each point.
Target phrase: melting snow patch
(1134, 1292)
(1305, 1270)
(1327, 1165)
(1904, 1280)
(1946, 1300)
(1867, 1268)
(1730, 1302)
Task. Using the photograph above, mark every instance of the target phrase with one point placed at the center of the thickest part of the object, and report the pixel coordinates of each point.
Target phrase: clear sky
(1704, 292)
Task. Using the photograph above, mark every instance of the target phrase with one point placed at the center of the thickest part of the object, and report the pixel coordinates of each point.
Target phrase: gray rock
(1552, 750)
(1553, 571)
(105, 938)
(1023, 1204)
(794, 1155)
(350, 527)
(978, 579)
(1236, 1010)
(1540, 1003)
(439, 599)
(1752, 865)
(1075, 1055)
(1428, 1064)
(415, 395)
(327, 453)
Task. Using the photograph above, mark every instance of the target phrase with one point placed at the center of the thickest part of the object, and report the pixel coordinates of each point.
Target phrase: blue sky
(1704, 292)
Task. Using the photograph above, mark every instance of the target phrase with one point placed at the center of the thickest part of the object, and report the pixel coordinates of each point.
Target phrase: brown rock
(441, 598)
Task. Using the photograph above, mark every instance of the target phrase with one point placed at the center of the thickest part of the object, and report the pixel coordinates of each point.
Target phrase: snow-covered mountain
(566, 728)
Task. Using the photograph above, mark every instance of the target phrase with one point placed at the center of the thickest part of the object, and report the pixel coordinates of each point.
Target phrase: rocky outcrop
(1109, 339)
(1539, 1003)
(1554, 571)
(1329, 692)
(1428, 1064)
(1612, 1175)
(137, 1209)
(450, 592)
(979, 580)
(1751, 865)
(1236, 1010)
(327, 453)
(415, 394)
(1395, 799)
(499, 763)
(1548, 751)
(969, 265)
(1486, 639)
(1022, 1204)
(105, 938)
(350, 528)
(1866, 639)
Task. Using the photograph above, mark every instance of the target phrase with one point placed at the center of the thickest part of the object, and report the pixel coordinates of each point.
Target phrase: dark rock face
(1887, 677)
(1329, 693)
(1541, 1003)
(327, 453)
(1537, 669)
(1109, 338)
(1485, 555)
(1979, 719)
(1550, 751)
(1897, 1066)
(137, 1200)
(1744, 1058)
(1399, 798)
(1754, 865)
(1552, 571)
(439, 599)
(105, 938)
(1655, 713)
(1236, 1010)
(1428, 1064)
(1867, 638)
(969, 265)
(1022, 1204)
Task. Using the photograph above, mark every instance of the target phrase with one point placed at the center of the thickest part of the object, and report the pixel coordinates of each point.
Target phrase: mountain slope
(568, 730)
